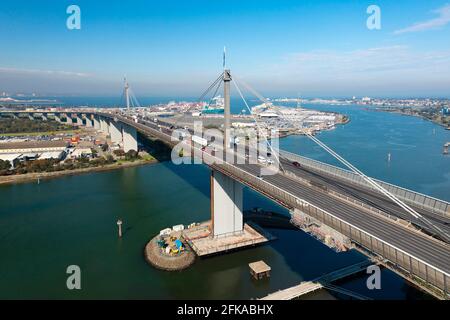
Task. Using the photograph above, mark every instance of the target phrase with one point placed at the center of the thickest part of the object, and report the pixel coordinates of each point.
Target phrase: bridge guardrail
(437, 206)
(344, 197)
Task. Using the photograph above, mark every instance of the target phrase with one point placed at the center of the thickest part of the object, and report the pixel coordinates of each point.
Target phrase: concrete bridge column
(30, 116)
(88, 120)
(69, 119)
(104, 126)
(96, 122)
(79, 120)
(226, 205)
(57, 117)
(115, 129)
(44, 117)
(129, 138)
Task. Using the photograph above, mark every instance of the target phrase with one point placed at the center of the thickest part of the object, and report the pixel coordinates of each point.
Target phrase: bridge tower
(227, 111)
(127, 94)
(226, 193)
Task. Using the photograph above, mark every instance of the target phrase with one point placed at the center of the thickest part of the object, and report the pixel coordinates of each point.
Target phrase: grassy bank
(35, 176)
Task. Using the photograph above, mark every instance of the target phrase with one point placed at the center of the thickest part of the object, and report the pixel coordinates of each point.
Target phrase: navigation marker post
(119, 224)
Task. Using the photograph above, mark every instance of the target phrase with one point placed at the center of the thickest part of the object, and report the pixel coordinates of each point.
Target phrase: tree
(109, 158)
(119, 153)
(131, 155)
(5, 165)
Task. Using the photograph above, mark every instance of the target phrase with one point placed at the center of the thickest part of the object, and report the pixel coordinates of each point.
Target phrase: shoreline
(416, 116)
(30, 177)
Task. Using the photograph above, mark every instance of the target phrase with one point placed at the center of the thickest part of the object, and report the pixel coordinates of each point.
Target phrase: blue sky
(317, 47)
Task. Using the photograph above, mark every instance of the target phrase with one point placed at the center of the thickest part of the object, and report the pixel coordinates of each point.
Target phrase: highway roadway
(370, 197)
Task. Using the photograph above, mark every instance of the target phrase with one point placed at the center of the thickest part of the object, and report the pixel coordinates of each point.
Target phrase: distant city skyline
(320, 49)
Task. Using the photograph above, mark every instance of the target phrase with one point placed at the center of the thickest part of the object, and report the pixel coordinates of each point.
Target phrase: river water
(46, 227)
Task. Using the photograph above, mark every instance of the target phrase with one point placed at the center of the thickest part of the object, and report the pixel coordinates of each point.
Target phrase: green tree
(5, 165)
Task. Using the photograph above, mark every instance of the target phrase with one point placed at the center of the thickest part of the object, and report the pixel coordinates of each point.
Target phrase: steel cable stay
(374, 184)
(257, 124)
(392, 197)
(217, 83)
(128, 96)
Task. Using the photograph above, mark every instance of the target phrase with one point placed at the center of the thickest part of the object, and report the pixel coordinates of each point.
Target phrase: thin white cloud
(394, 68)
(378, 60)
(43, 72)
(442, 20)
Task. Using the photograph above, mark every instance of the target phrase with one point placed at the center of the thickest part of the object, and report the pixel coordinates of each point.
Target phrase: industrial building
(32, 150)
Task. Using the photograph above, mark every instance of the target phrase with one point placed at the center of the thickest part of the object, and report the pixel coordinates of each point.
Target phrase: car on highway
(261, 159)
(296, 164)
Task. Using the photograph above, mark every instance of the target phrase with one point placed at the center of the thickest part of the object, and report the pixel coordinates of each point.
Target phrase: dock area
(318, 283)
(202, 243)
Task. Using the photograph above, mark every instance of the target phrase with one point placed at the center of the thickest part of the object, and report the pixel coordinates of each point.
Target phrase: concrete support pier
(129, 138)
(226, 205)
(104, 126)
(96, 123)
(115, 129)
(68, 119)
(88, 121)
(79, 120)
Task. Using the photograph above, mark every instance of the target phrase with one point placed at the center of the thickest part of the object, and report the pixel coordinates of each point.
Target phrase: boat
(217, 107)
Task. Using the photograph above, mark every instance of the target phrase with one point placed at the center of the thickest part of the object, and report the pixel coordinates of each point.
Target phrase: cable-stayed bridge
(407, 230)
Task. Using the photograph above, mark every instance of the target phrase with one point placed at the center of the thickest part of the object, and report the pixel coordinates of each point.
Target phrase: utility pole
(119, 224)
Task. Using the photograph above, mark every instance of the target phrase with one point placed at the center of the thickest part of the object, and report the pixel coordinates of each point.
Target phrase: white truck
(201, 141)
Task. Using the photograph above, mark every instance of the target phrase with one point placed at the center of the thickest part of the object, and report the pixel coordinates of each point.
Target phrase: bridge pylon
(226, 205)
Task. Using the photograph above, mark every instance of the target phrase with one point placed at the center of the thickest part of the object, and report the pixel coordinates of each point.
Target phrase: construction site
(176, 248)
